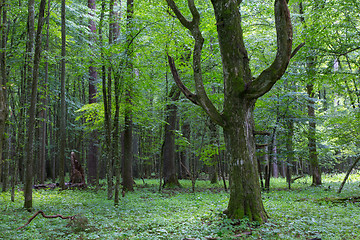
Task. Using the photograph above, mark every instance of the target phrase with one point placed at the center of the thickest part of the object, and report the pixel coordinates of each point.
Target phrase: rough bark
(168, 149)
(240, 93)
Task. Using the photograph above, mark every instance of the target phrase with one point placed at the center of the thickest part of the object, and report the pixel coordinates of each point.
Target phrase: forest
(168, 119)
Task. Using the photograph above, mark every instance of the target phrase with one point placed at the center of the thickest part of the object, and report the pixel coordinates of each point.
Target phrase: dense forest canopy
(240, 91)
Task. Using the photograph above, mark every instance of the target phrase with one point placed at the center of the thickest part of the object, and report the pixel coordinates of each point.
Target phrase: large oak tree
(241, 90)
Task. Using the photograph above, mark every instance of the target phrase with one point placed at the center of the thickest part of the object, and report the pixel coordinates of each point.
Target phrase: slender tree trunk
(289, 150)
(313, 156)
(62, 97)
(310, 70)
(44, 160)
(215, 157)
(3, 81)
(184, 154)
(32, 110)
(93, 149)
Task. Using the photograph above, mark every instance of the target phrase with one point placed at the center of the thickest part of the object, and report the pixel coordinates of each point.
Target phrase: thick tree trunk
(245, 195)
(168, 149)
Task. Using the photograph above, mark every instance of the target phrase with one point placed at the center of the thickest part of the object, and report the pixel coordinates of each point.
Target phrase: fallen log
(46, 216)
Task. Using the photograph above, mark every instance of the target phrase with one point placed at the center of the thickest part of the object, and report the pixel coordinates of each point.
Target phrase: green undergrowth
(300, 213)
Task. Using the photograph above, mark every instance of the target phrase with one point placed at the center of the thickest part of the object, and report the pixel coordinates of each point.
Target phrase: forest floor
(304, 212)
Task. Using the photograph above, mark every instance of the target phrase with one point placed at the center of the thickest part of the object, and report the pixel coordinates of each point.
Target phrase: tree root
(45, 216)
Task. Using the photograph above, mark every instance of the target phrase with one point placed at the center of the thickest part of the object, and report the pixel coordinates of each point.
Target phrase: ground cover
(304, 212)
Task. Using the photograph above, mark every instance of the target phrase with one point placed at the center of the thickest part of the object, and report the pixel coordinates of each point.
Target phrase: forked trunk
(245, 195)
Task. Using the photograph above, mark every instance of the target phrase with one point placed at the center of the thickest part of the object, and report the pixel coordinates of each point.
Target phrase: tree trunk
(93, 148)
(32, 110)
(168, 149)
(63, 103)
(214, 159)
(184, 154)
(3, 92)
(313, 156)
(128, 180)
(245, 195)
(289, 150)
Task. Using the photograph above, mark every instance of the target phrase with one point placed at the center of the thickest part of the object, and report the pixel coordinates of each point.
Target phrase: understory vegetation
(304, 212)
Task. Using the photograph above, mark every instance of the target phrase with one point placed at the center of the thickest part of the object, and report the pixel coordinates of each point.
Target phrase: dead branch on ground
(45, 216)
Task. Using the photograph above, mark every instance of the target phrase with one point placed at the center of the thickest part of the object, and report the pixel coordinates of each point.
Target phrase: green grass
(301, 213)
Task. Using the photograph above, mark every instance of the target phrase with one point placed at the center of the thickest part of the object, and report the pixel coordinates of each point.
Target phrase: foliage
(301, 213)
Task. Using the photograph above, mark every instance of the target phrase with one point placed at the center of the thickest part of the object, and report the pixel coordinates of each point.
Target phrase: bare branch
(45, 216)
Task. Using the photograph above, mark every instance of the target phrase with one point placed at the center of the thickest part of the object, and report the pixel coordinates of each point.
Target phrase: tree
(128, 122)
(93, 149)
(62, 97)
(32, 110)
(3, 81)
(168, 148)
(241, 91)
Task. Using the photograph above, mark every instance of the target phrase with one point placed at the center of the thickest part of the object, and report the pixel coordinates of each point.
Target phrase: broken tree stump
(77, 172)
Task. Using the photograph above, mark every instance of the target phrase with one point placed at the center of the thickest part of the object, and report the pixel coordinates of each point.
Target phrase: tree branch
(188, 94)
(186, 23)
(297, 49)
(264, 82)
(45, 216)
